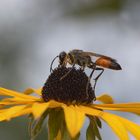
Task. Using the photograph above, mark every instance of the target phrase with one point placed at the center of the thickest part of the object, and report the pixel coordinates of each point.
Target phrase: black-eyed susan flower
(64, 106)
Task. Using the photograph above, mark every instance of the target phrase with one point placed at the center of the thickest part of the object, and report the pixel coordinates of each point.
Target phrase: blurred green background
(32, 33)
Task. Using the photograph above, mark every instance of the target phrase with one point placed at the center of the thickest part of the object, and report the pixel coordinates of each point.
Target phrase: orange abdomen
(108, 63)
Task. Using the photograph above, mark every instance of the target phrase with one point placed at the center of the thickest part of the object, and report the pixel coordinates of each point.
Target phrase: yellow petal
(127, 107)
(74, 119)
(17, 101)
(7, 114)
(133, 128)
(25, 111)
(55, 104)
(39, 108)
(6, 92)
(112, 121)
(116, 125)
(31, 90)
(105, 98)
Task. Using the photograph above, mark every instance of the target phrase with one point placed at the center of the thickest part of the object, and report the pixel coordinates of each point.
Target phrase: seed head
(70, 89)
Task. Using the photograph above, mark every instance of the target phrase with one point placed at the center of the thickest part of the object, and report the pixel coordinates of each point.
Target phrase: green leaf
(36, 125)
(30, 124)
(95, 128)
(65, 134)
(92, 130)
(90, 135)
(99, 123)
(54, 123)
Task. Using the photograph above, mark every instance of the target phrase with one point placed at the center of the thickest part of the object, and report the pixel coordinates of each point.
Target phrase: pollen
(70, 89)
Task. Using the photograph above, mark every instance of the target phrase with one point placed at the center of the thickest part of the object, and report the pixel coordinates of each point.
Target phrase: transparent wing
(97, 55)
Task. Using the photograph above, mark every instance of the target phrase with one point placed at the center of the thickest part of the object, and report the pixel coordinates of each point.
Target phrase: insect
(85, 59)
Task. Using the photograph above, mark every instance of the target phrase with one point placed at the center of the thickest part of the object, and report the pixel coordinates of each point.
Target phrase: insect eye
(62, 56)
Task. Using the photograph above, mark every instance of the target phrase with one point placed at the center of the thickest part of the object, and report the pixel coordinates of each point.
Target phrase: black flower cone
(70, 89)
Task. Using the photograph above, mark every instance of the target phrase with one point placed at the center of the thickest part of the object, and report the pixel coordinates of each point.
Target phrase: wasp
(85, 59)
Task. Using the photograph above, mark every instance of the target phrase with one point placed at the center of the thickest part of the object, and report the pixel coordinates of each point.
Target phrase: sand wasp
(87, 59)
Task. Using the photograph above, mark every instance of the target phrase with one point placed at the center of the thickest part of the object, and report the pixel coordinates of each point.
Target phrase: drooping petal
(110, 119)
(7, 114)
(74, 119)
(39, 108)
(6, 92)
(31, 90)
(105, 98)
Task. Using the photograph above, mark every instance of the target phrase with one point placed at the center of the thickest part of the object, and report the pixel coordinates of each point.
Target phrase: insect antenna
(52, 63)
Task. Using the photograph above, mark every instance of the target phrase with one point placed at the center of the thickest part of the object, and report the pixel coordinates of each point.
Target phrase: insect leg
(67, 72)
(93, 66)
(102, 70)
(52, 64)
